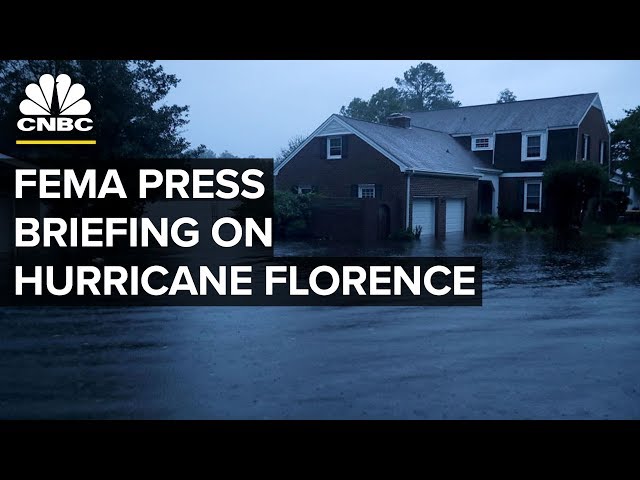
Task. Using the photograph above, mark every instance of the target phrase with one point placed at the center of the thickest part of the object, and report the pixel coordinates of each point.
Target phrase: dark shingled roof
(420, 149)
(525, 115)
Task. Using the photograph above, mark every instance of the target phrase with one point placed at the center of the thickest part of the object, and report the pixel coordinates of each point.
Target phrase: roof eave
(488, 170)
(443, 174)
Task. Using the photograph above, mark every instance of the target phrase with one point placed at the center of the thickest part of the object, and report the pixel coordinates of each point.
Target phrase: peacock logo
(51, 105)
(40, 97)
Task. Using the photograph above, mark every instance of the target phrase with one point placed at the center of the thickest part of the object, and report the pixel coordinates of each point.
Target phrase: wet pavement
(558, 336)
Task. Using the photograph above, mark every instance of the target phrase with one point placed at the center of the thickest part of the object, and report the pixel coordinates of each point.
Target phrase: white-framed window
(534, 146)
(586, 146)
(334, 147)
(603, 148)
(533, 196)
(304, 189)
(366, 190)
(483, 142)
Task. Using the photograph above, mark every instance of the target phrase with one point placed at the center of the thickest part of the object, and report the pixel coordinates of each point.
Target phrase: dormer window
(534, 146)
(334, 147)
(482, 143)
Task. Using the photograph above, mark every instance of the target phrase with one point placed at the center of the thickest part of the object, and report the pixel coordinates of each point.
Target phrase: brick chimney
(399, 120)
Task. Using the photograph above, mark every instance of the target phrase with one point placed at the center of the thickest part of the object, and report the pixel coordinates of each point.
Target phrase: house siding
(593, 125)
(442, 188)
(334, 178)
(508, 153)
(561, 145)
(511, 200)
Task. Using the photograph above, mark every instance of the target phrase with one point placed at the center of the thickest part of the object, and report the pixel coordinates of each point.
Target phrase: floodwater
(558, 337)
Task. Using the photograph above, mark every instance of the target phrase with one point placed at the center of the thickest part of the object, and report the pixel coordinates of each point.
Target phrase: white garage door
(424, 214)
(455, 215)
(5, 225)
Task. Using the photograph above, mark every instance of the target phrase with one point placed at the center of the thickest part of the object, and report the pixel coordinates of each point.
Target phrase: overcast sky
(254, 107)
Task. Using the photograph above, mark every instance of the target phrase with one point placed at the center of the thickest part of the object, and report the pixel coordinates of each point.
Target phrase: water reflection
(508, 258)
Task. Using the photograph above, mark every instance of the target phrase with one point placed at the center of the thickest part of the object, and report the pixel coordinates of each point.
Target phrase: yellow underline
(55, 142)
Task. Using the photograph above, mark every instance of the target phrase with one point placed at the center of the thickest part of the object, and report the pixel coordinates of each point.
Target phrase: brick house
(439, 169)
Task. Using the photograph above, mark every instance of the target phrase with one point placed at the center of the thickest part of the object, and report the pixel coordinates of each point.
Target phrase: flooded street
(558, 337)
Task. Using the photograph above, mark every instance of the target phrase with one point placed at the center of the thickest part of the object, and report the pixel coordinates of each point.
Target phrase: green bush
(568, 187)
(608, 212)
(292, 213)
(483, 223)
(620, 199)
(404, 235)
(614, 205)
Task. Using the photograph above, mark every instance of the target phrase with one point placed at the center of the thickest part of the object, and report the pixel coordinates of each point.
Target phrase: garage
(455, 215)
(424, 215)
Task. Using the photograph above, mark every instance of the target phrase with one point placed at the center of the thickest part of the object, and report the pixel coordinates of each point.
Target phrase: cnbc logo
(55, 105)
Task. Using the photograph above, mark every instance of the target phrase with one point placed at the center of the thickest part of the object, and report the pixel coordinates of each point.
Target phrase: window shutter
(322, 147)
(354, 191)
(588, 148)
(582, 151)
(605, 157)
(345, 146)
(379, 191)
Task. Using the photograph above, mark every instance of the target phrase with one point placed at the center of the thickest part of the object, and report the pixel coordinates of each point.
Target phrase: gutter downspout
(408, 202)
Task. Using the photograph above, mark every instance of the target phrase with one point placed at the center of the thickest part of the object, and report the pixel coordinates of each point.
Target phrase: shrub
(614, 205)
(292, 213)
(404, 235)
(510, 212)
(620, 199)
(608, 213)
(483, 223)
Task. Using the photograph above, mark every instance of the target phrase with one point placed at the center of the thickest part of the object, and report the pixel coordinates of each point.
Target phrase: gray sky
(254, 107)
